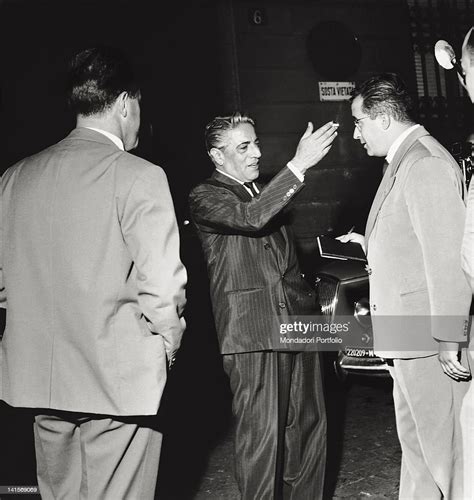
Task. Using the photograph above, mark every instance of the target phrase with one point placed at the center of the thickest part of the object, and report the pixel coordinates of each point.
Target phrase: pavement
(370, 456)
(366, 464)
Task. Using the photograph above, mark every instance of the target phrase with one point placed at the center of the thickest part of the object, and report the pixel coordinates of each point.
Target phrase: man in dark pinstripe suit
(278, 404)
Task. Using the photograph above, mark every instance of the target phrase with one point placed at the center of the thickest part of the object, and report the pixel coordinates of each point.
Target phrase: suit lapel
(382, 192)
(389, 178)
(279, 238)
(234, 186)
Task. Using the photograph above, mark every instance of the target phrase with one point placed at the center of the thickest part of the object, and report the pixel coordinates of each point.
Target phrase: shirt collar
(116, 140)
(398, 141)
(230, 176)
(240, 182)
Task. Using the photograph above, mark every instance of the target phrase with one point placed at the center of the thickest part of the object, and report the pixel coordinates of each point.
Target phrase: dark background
(199, 59)
(206, 57)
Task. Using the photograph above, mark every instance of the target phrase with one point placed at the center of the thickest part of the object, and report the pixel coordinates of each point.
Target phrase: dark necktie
(250, 186)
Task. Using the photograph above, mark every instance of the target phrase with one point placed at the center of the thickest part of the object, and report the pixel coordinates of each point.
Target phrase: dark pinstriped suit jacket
(252, 265)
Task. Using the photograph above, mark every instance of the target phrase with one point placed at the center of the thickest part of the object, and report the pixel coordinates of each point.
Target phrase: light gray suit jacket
(468, 241)
(418, 291)
(90, 277)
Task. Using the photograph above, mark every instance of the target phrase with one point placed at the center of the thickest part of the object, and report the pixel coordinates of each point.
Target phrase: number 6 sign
(257, 17)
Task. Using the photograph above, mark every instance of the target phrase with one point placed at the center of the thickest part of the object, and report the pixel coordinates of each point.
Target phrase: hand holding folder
(333, 249)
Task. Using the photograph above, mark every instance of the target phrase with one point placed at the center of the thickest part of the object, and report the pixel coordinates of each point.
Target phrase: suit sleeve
(3, 292)
(219, 209)
(436, 209)
(151, 233)
(468, 240)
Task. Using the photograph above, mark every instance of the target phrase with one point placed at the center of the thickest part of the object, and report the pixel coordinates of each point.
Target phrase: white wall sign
(335, 91)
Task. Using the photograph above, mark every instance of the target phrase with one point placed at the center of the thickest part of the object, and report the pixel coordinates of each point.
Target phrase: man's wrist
(447, 345)
(297, 171)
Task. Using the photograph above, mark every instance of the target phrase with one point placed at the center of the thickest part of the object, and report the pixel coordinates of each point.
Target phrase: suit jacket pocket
(247, 308)
(244, 290)
(414, 295)
(412, 284)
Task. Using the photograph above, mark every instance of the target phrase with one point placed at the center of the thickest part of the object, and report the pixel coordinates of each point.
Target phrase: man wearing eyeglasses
(419, 296)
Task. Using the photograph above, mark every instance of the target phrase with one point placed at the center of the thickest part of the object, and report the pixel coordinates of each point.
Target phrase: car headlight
(327, 293)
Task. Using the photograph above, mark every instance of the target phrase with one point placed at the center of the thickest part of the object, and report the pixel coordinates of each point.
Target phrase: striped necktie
(250, 186)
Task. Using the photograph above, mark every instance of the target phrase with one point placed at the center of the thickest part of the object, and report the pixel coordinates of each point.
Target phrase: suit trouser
(467, 426)
(96, 458)
(280, 434)
(427, 409)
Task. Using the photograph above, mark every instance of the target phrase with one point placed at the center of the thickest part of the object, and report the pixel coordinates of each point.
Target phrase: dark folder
(334, 249)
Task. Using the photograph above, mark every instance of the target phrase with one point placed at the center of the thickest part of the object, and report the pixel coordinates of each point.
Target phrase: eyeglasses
(358, 120)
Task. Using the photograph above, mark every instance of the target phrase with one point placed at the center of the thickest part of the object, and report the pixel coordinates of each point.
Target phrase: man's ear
(217, 156)
(122, 103)
(385, 120)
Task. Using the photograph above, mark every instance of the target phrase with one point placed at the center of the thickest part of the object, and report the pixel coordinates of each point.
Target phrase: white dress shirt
(116, 140)
(242, 183)
(398, 141)
(295, 171)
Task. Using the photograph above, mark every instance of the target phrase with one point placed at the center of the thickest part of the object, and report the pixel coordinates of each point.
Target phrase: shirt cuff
(295, 171)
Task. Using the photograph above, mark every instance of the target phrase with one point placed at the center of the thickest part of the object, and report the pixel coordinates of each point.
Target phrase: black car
(343, 290)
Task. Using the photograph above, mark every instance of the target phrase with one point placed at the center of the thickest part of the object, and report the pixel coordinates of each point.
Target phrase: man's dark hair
(215, 129)
(385, 93)
(97, 77)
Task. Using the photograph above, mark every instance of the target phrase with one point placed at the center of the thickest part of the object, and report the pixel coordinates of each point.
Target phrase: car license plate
(359, 352)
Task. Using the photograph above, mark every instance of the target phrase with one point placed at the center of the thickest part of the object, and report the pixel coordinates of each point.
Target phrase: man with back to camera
(413, 230)
(94, 290)
(278, 402)
(467, 412)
